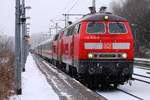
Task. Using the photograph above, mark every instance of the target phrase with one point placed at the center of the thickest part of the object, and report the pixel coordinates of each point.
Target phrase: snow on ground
(141, 71)
(34, 84)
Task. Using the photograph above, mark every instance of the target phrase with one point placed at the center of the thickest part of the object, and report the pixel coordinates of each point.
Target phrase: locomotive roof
(100, 16)
(96, 17)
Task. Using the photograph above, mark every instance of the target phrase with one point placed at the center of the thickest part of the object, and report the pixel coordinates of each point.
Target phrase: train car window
(51, 45)
(56, 36)
(96, 28)
(47, 46)
(61, 35)
(117, 28)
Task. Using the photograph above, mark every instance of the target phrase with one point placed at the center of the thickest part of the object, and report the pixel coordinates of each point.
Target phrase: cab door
(75, 50)
(60, 46)
(55, 47)
(68, 45)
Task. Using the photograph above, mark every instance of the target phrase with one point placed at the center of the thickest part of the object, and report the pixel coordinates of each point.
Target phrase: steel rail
(145, 68)
(141, 80)
(141, 75)
(130, 94)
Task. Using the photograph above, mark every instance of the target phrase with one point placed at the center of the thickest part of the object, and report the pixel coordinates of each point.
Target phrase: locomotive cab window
(117, 28)
(96, 28)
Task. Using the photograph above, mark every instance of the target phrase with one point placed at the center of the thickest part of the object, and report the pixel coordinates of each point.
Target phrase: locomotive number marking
(107, 46)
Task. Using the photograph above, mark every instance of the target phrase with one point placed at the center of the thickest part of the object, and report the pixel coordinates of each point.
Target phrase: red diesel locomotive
(97, 49)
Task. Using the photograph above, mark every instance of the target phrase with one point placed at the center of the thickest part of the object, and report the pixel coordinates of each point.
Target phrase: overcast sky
(42, 12)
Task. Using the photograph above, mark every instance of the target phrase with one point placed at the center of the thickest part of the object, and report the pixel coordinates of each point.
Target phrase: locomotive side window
(117, 28)
(77, 28)
(96, 28)
(70, 31)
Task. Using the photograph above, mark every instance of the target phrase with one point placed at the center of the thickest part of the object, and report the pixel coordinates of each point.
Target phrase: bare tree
(138, 14)
(6, 68)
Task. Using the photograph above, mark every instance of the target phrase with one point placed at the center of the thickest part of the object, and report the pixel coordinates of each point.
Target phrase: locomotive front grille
(107, 56)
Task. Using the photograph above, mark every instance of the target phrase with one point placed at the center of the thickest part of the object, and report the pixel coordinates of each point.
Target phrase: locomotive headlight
(90, 55)
(124, 55)
(106, 17)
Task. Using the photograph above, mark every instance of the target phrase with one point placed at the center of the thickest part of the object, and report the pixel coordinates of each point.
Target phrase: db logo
(107, 46)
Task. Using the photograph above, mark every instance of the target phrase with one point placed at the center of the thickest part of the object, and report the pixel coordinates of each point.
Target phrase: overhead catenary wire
(66, 6)
(73, 6)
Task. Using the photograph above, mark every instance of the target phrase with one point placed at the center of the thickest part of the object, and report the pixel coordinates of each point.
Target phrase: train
(97, 50)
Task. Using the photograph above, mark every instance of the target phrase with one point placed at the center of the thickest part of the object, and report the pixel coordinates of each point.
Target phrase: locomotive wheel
(105, 86)
(92, 83)
(54, 63)
(63, 68)
(74, 72)
(115, 85)
(81, 78)
(88, 81)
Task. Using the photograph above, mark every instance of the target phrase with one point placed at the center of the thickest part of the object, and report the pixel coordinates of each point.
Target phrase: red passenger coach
(98, 49)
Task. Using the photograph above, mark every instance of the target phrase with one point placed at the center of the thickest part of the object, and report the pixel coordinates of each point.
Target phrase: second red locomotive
(98, 50)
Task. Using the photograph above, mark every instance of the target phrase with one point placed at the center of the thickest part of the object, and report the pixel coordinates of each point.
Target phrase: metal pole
(26, 44)
(65, 20)
(18, 49)
(50, 32)
(94, 4)
(23, 35)
(56, 28)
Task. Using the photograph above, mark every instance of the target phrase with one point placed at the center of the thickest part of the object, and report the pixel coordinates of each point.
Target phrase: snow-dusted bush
(138, 14)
